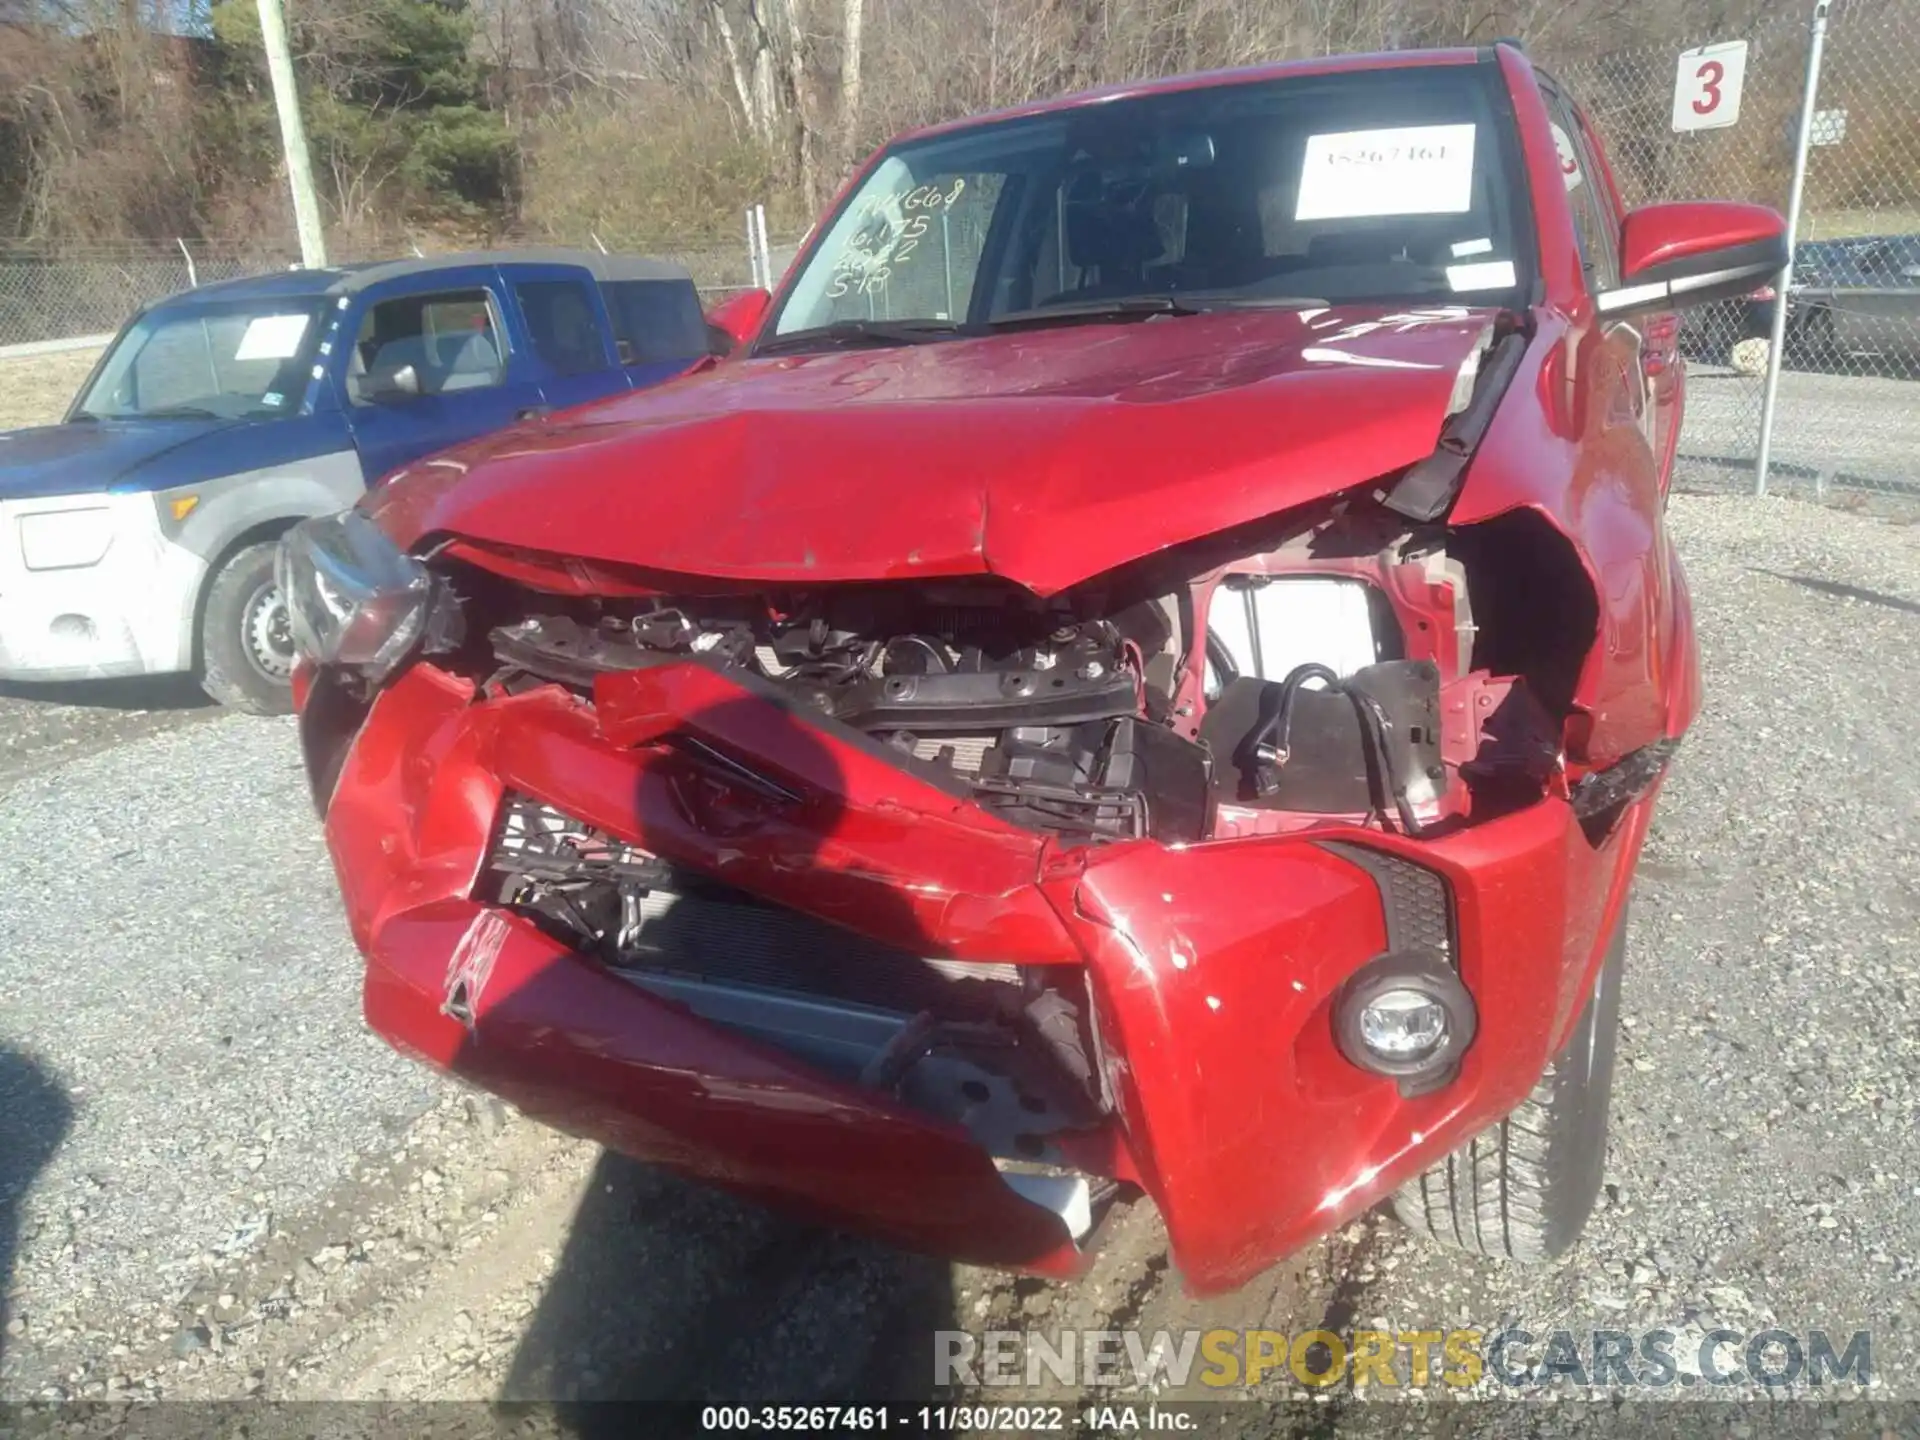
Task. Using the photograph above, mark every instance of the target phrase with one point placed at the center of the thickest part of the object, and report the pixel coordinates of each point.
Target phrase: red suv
(1146, 671)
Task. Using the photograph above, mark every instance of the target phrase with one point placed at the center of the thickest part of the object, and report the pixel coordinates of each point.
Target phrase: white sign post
(1706, 90)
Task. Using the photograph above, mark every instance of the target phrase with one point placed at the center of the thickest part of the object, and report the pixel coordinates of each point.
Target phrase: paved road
(1859, 430)
(205, 1149)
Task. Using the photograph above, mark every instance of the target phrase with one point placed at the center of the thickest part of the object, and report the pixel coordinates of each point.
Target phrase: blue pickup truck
(137, 536)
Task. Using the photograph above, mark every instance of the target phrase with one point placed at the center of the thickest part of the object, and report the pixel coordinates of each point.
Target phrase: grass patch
(1848, 224)
(37, 390)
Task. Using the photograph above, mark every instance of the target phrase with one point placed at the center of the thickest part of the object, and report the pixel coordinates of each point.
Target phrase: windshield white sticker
(1487, 275)
(1463, 248)
(1419, 170)
(272, 337)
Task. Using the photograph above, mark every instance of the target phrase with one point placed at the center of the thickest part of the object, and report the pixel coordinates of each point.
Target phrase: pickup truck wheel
(1816, 346)
(246, 648)
(1523, 1189)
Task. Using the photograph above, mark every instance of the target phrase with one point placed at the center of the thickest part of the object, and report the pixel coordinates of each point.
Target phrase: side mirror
(396, 388)
(1673, 257)
(739, 317)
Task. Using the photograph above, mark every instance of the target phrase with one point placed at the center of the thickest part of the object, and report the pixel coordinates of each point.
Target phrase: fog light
(1403, 1025)
(1406, 1015)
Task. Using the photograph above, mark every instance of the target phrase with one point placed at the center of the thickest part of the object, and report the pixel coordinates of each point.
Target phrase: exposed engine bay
(1329, 676)
(1337, 670)
(1044, 719)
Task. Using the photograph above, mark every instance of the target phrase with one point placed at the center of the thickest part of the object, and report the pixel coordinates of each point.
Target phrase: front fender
(227, 507)
(223, 511)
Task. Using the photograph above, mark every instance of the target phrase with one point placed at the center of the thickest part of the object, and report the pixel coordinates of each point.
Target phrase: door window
(656, 320)
(1885, 263)
(1594, 225)
(562, 325)
(450, 341)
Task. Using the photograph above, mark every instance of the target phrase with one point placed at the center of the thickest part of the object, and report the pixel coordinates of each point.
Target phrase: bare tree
(850, 43)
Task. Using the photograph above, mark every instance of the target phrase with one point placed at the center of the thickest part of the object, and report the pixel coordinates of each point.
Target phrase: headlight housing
(65, 539)
(353, 597)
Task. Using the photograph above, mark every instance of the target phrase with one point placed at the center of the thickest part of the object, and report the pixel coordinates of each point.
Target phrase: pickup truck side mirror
(1677, 256)
(395, 388)
(739, 317)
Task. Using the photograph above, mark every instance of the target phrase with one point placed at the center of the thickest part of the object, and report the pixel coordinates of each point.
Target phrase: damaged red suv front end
(951, 771)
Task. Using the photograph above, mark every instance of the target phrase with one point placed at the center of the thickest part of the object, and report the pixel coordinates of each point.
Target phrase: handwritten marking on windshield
(890, 230)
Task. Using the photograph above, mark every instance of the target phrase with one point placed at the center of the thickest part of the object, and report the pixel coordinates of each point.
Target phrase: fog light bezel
(1424, 970)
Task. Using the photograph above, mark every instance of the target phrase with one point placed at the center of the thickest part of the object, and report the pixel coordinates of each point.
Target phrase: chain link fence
(1849, 413)
(1629, 98)
(1848, 410)
(60, 292)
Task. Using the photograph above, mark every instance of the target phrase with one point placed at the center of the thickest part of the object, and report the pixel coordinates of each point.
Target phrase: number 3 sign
(1706, 93)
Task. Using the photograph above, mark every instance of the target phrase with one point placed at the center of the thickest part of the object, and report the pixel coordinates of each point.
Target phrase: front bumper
(130, 613)
(1212, 969)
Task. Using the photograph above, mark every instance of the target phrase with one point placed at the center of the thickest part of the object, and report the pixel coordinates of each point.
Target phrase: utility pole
(293, 136)
(1802, 152)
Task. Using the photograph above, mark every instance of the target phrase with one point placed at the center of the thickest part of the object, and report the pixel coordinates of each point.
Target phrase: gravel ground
(232, 1190)
(43, 727)
(177, 995)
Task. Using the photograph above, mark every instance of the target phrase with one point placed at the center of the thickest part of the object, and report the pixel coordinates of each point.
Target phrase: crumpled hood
(1045, 456)
(94, 455)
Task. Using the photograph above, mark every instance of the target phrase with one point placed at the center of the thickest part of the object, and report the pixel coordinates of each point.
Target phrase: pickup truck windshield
(220, 360)
(1387, 185)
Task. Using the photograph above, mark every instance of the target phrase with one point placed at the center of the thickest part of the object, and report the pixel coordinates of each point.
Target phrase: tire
(1523, 1189)
(1818, 350)
(246, 652)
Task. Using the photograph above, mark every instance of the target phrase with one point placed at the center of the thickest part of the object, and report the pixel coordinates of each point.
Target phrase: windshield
(1387, 185)
(225, 361)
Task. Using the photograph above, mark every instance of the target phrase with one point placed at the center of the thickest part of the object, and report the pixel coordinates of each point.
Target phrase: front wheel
(1523, 1188)
(246, 646)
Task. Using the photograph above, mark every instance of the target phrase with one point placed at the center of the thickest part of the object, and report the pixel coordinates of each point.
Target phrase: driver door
(568, 338)
(431, 364)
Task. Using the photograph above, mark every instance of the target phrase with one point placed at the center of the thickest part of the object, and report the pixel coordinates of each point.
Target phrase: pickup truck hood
(94, 455)
(1044, 456)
